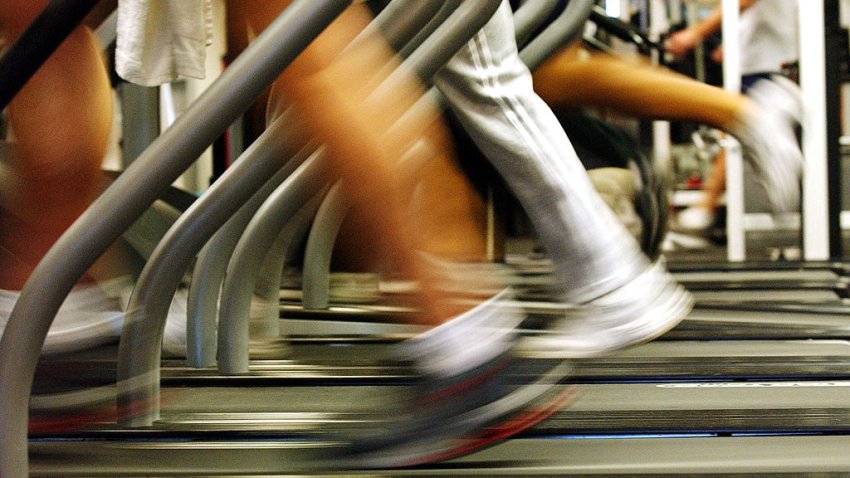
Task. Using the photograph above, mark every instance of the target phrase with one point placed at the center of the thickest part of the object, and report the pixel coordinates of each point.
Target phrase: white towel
(161, 40)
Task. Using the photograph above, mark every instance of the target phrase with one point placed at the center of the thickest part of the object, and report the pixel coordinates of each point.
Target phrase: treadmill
(218, 428)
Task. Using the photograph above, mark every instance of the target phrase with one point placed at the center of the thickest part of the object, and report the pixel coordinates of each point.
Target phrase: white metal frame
(736, 234)
(815, 203)
(814, 207)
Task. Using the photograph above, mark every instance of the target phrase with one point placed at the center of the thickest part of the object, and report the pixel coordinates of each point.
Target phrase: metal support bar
(319, 249)
(737, 243)
(437, 19)
(815, 201)
(208, 274)
(530, 16)
(266, 324)
(244, 268)
(835, 43)
(139, 119)
(211, 266)
(401, 19)
(139, 351)
(447, 40)
(211, 263)
(567, 27)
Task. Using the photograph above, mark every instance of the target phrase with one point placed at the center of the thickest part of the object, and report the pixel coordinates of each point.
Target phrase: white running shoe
(93, 315)
(770, 143)
(638, 312)
(676, 241)
(90, 316)
(472, 391)
(174, 337)
(695, 219)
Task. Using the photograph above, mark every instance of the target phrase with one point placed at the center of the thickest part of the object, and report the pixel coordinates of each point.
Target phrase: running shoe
(769, 141)
(638, 312)
(93, 315)
(455, 408)
(695, 219)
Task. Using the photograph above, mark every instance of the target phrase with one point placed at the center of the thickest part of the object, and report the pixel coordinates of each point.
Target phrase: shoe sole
(515, 425)
(529, 405)
(552, 348)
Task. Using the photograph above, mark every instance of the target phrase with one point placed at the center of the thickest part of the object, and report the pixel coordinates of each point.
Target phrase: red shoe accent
(514, 425)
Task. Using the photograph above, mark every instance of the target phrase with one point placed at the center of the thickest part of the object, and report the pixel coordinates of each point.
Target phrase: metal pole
(836, 42)
(737, 241)
(815, 201)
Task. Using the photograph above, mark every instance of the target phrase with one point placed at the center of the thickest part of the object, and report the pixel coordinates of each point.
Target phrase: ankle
(466, 341)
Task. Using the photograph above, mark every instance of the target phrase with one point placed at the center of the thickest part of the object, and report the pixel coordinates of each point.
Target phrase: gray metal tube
(294, 235)
(211, 263)
(448, 39)
(319, 250)
(144, 235)
(401, 19)
(140, 124)
(437, 18)
(566, 28)
(133, 192)
(250, 252)
(139, 350)
(529, 16)
(208, 274)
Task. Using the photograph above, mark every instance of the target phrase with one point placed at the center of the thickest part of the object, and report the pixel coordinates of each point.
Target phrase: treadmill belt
(613, 456)
(788, 406)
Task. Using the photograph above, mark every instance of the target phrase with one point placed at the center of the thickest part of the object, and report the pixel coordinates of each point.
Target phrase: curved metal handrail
(211, 263)
(529, 17)
(401, 19)
(243, 271)
(208, 273)
(318, 252)
(139, 351)
(265, 325)
(447, 7)
(560, 32)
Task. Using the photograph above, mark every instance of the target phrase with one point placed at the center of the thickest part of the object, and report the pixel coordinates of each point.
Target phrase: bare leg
(335, 97)
(573, 78)
(61, 121)
(576, 78)
(715, 184)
